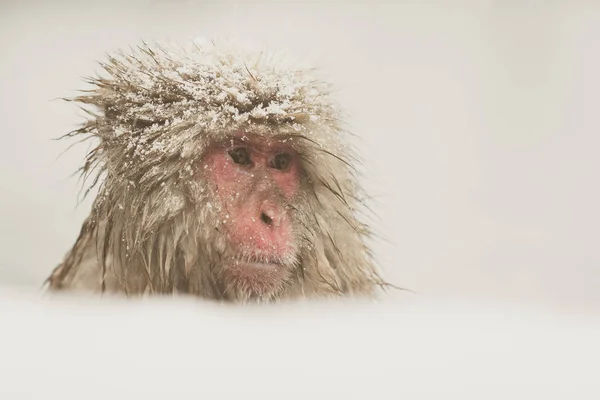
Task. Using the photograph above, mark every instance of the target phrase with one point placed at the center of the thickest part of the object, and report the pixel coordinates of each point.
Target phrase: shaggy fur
(153, 227)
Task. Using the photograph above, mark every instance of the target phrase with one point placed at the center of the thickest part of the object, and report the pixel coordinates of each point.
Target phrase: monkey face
(255, 181)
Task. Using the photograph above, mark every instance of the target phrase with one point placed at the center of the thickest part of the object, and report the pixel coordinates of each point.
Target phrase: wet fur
(153, 228)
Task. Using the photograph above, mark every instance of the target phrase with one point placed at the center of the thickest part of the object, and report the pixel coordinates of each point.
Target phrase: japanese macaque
(221, 173)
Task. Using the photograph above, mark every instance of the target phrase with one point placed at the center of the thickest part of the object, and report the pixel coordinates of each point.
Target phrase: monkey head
(222, 173)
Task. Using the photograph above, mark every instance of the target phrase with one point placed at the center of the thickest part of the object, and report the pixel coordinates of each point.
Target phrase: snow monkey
(221, 173)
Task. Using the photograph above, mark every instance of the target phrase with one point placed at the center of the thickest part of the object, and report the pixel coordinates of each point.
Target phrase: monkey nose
(270, 215)
(266, 219)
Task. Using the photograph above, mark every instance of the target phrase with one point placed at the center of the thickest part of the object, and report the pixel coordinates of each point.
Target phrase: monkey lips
(256, 277)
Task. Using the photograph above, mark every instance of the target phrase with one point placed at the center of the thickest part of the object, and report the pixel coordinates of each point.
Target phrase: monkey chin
(256, 280)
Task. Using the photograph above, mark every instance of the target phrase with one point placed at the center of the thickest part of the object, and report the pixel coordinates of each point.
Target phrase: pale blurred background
(478, 122)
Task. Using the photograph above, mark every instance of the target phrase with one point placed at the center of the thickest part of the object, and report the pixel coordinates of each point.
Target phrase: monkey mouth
(261, 265)
(258, 263)
(260, 276)
(260, 260)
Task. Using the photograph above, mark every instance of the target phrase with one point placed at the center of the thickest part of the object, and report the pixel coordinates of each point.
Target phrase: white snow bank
(78, 348)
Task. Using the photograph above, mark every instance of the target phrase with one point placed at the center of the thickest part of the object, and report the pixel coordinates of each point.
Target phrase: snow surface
(80, 348)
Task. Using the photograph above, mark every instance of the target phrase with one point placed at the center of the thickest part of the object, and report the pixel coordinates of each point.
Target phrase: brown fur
(153, 227)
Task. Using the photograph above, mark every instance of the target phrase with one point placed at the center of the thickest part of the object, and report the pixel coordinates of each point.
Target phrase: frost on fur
(154, 113)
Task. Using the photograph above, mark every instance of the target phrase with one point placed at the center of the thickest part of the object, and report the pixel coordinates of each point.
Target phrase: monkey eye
(281, 161)
(240, 155)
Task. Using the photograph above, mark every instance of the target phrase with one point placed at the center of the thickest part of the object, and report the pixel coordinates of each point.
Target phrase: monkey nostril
(266, 219)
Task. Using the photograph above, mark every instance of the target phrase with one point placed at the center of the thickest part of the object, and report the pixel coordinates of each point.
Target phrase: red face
(254, 179)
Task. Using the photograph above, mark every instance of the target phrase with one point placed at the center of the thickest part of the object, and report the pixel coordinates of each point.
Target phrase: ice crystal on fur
(154, 112)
